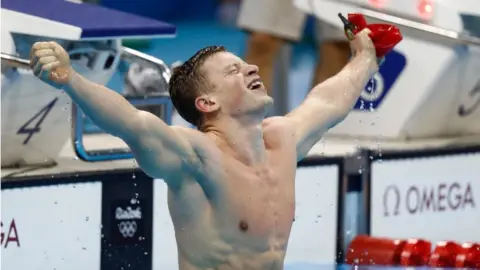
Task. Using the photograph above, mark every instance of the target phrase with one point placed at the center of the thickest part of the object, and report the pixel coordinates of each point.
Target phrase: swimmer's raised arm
(329, 102)
(159, 148)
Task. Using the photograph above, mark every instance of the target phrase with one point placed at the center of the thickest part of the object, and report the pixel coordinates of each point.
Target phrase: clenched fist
(50, 63)
(362, 43)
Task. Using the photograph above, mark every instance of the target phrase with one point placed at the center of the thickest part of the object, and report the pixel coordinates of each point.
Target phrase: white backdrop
(57, 227)
(433, 198)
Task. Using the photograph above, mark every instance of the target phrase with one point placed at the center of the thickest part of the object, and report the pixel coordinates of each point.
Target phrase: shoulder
(195, 137)
(278, 130)
(278, 124)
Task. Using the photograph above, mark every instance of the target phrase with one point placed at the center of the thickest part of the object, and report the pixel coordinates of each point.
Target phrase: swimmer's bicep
(160, 148)
(311, 120)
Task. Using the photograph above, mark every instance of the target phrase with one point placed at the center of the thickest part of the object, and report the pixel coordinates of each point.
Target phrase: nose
(252, 70)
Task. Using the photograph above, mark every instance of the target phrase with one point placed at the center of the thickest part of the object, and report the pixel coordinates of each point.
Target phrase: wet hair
(188, 81)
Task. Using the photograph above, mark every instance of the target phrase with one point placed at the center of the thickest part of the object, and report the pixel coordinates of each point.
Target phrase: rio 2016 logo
(380, 84)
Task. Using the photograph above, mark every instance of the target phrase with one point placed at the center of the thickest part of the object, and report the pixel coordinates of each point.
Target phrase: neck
(242, 137)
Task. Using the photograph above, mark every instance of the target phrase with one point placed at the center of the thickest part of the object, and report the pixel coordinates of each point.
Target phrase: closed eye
(234, 69)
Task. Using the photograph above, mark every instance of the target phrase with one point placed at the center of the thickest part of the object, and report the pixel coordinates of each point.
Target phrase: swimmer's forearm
(108, 109)
(343, 90)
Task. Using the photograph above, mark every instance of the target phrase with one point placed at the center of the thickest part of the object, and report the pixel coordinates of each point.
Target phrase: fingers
(41, 49)
(40, 54)
(51, 66)
(43, 57)
(38, 46)
(42, 62)
(363, 34)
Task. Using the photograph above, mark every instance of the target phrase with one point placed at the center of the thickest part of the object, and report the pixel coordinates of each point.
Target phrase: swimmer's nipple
(243, 225)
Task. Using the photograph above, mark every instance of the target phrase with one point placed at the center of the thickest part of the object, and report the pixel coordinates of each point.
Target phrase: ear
(206, 104)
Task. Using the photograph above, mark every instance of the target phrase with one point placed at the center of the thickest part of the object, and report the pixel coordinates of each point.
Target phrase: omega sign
(421, 199)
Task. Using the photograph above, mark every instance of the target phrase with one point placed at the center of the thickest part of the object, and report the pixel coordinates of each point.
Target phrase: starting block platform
(78, 21)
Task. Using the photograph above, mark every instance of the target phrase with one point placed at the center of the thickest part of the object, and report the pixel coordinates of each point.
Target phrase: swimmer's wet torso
(231, 183)
(246, 222)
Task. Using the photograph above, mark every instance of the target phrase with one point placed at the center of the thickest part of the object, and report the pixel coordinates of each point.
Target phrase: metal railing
(15, 61)
(422, 30)
(414, 28)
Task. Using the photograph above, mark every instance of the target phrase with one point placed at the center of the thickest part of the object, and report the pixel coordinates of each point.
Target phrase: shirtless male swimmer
(231, 182)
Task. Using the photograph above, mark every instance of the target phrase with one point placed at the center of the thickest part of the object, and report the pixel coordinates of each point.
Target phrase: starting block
(36, 118)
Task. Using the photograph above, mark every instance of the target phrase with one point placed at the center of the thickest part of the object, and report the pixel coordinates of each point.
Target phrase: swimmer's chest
(259, 201)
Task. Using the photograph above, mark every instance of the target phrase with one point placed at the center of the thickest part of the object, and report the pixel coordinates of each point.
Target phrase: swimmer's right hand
(51, 63)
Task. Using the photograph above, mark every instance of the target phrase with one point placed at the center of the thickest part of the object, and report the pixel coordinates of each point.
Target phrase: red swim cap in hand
(384, 36)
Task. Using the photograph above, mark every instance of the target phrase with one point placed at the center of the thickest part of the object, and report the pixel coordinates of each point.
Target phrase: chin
(268, 101)
(267, 104)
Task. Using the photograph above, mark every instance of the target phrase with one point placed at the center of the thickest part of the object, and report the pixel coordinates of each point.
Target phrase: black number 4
(39, 117)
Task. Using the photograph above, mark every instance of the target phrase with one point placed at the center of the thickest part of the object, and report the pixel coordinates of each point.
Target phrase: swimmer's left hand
(362, 44)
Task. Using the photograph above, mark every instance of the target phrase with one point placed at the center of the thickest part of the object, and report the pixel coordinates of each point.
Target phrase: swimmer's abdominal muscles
(160, 148)
(329, 103)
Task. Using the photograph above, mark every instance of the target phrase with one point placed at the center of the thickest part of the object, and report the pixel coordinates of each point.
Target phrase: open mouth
(255, 84)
